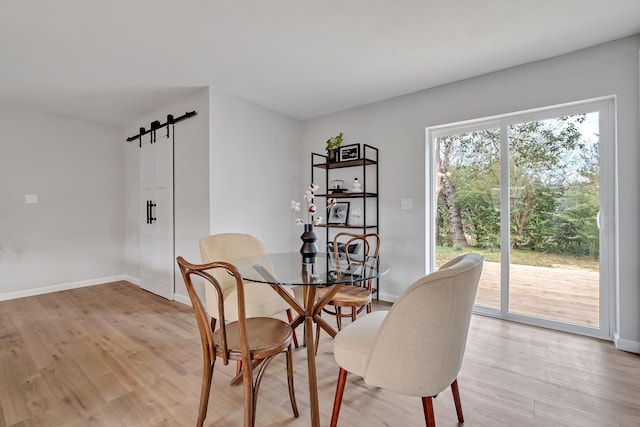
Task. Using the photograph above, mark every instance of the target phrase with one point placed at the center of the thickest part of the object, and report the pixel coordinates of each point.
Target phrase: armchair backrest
(420, 345)
(226, 247)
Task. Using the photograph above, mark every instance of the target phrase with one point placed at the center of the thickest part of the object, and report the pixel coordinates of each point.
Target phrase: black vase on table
(309, 249)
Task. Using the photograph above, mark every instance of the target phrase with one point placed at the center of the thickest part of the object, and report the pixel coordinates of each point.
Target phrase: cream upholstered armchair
(260, 299)
(416, 348)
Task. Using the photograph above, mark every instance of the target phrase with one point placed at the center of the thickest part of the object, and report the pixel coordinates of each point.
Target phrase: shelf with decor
(356, 208)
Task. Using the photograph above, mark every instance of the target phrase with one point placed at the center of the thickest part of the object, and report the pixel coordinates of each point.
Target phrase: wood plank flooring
(115, 355)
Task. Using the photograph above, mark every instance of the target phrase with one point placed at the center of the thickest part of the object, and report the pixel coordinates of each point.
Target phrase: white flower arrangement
(311, 207)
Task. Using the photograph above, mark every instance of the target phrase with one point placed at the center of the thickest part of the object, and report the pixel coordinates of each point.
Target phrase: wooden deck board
(566, 295)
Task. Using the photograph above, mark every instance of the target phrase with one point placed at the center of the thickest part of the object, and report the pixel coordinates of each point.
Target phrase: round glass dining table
(290, 269)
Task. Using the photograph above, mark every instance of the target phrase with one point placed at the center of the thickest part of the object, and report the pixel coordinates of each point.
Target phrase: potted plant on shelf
(332, 147)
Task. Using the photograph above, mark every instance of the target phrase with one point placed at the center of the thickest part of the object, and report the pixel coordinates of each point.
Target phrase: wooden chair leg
(292, 394)
(456, 399)
(317, 337)
(339, 317)
(250, 394)
(354, 310)
(290, 319)
(427, 405)
(261, 366)
(207, 373)
(239, 377)
(337, 401)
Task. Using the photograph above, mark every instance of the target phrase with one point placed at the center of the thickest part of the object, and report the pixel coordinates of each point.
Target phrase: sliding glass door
(467, 189)
(532, 192)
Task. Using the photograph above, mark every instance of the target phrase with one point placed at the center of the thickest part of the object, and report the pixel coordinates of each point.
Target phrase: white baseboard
(626, 345)
(62, 287)
(387, 297)
(182, 299)
(132, 279)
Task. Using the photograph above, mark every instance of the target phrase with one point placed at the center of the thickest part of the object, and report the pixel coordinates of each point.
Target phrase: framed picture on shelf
(339, 213)
(350, 152)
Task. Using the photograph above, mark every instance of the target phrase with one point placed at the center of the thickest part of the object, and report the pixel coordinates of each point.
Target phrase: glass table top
(288, 268)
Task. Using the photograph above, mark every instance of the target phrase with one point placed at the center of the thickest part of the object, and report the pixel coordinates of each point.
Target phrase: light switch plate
(406, 204)
(31, 199)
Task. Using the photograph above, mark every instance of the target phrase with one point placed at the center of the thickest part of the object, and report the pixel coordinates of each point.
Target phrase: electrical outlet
(31, 199)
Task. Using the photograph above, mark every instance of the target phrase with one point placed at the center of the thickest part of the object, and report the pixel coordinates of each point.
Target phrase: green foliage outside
(553, 200)
(521, 257)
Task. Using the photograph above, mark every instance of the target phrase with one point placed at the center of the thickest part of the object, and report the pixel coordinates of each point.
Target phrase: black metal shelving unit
(366, 166)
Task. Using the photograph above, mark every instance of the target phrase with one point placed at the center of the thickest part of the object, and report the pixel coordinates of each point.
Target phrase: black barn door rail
(155, 125)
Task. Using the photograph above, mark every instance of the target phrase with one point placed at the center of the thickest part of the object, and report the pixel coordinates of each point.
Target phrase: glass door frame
(607, 216)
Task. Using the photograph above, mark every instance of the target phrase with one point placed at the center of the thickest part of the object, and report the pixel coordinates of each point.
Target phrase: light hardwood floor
(115, 355)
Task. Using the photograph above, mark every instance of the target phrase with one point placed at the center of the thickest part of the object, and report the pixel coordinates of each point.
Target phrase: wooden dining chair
(249, 340)
(416, 348)
(352, 254)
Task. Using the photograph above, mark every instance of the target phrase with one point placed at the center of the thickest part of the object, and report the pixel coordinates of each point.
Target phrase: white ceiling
(112, 60)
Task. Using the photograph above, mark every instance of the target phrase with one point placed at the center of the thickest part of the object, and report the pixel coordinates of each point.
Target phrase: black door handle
(151, 217)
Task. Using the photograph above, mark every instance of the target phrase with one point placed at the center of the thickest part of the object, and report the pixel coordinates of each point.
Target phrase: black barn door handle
(151, 217)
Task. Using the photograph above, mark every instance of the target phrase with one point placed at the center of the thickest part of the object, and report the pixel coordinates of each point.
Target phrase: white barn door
(156, 217)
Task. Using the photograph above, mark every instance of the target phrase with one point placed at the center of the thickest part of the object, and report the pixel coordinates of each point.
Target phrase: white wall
(255, 169)
(191, 183)
(397, 128)
(74, 235)
(239, 165)
(233, 167)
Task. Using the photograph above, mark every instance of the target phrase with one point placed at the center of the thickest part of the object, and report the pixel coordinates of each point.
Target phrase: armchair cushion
(352, 346)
